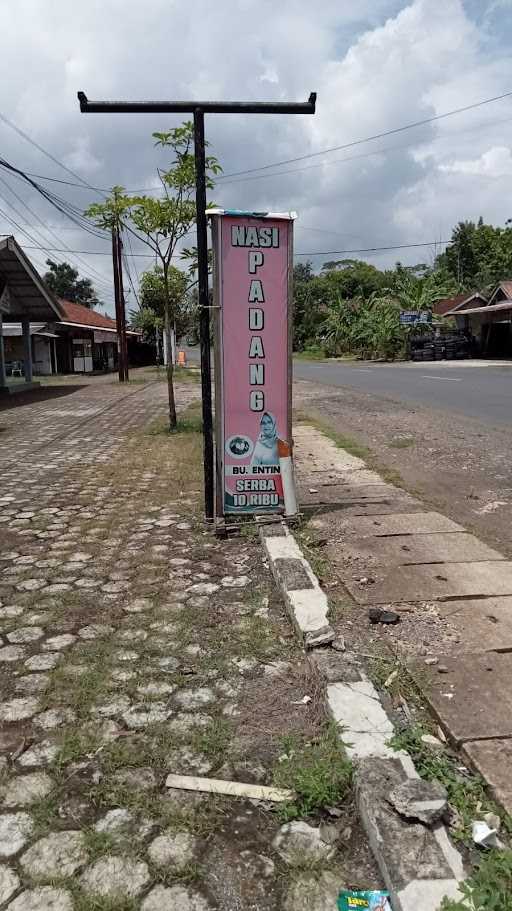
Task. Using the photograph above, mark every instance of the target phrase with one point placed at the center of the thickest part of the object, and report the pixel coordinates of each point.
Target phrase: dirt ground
(453, 463)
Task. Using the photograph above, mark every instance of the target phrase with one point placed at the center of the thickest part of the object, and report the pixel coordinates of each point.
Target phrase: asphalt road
(469, 388)
(477, 389)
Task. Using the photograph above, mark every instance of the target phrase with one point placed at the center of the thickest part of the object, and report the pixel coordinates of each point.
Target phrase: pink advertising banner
(252, 278)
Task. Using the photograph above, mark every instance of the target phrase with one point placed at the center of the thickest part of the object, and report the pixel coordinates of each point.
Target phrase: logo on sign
(239, 446)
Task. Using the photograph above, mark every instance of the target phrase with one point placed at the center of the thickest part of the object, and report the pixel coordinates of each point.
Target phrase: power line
(85, 252)
(62, 205)
(426, 243)
(382, 151)
(355, 142)
(95, 276)
(44, 151)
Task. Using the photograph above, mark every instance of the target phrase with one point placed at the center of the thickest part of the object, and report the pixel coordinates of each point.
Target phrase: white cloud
(376, 64)
(496, 162)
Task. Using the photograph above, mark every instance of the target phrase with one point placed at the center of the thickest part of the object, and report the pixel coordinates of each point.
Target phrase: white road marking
(449, 379)
(362, 370)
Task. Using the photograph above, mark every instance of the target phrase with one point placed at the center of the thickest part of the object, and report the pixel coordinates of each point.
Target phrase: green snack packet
(363, 901)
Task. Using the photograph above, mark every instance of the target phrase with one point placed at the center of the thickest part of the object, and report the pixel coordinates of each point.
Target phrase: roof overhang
(64, 322)
(27, 292)
(15, 330)
(470, 297)
(490, 308)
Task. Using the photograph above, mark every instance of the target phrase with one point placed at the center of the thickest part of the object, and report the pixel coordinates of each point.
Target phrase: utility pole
(117, 298)
(120, 305)
(199, 109)
(124, 343)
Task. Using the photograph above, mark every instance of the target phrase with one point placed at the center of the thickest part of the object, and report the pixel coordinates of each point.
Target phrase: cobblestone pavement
(134, 644)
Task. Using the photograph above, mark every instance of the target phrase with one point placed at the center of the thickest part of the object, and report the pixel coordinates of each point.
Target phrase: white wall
(42, 356)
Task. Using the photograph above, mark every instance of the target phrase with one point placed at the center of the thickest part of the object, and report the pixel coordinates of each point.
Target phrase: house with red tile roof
(87, 340)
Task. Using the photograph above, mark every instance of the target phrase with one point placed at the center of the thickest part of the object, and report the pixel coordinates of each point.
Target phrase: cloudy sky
(376, 65)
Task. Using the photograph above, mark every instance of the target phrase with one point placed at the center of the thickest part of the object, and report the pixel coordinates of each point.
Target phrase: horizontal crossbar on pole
(208, 107)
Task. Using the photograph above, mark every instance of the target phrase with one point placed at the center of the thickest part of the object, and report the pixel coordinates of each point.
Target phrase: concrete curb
(419, 865)
(306, 602)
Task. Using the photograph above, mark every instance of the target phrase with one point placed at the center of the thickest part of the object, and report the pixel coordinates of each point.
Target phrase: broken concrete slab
(405, 550)
(336, 667)
(365, 727)
(415, 523)
(472, 697)
(420, 800)
(484, 624)
(431, 582)
(406, 852)
(493, 760)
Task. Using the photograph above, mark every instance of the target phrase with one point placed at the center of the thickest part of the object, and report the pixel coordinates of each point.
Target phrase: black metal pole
(115, 256)
(204, 312)
(122, 306)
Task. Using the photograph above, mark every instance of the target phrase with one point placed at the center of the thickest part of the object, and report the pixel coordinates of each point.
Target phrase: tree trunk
(170, 385)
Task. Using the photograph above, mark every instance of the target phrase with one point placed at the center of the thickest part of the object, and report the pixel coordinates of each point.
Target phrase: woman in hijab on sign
(265, 450)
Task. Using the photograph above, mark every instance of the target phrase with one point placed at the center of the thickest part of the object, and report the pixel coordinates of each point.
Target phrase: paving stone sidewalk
(452, 593)
(134, 644)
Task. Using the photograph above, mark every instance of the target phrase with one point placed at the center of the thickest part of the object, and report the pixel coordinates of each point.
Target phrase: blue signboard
(412, 317)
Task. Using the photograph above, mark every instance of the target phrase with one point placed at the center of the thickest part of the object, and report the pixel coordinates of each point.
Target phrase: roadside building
(27, 308)
(86, 340)
(487, 320)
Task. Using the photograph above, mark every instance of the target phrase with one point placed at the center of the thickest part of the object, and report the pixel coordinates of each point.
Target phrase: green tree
(353, 277)
(478, 256)
(150, 317)
(162, 222)
(420, 293)
(336, 329)
(63, 280)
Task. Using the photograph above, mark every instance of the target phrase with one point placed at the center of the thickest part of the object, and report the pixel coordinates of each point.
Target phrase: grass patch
(402, 442)
(399, 682)
(318, 771)
(88, 902)
(213, 740)
(45, 813)
(168, 876)
(489, 888)
(349, 444)
(354, 447)
(319, 564)
(313, 353)
(249, 530)
(466, 792)
(98, 844)
(255, 637)
(189, 421)
(76, 744)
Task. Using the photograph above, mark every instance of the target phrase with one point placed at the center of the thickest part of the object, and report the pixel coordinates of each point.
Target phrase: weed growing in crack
(98, 844)
(466, 792)
(169, 876)
(318, 771)
(213, 740)
(489, 886)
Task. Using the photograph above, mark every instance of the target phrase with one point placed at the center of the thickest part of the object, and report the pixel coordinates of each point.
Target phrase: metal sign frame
(199, 109)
